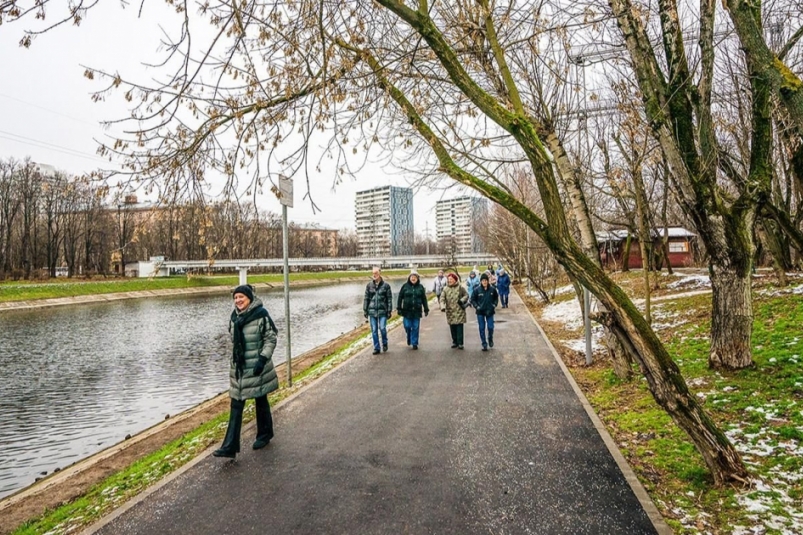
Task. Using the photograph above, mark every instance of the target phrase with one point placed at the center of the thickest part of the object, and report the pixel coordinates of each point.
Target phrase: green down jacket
(260, 339)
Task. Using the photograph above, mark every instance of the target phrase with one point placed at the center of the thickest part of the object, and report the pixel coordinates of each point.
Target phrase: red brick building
(612, 244)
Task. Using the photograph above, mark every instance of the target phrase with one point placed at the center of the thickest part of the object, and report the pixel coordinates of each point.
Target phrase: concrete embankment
(75, 480)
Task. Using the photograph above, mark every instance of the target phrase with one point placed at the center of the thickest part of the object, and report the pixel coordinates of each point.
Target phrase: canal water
(74, 380)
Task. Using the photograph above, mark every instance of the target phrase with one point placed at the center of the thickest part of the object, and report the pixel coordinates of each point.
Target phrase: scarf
(240, 321)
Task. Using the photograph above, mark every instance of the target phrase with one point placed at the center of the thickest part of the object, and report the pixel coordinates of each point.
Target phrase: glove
(426, 313)
(259, 367)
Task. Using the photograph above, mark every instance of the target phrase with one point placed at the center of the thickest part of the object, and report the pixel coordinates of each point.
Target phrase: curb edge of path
(119, 511)
(642, 496)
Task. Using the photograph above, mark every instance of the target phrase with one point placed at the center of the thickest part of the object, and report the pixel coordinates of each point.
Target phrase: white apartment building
(385, 221)
(455, 220)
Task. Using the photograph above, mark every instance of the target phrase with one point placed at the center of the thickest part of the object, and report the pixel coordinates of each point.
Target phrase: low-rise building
(613, 244)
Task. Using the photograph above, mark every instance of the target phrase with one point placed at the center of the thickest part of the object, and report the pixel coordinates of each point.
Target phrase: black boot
(231, 442)
(491, 337)
(264, 423)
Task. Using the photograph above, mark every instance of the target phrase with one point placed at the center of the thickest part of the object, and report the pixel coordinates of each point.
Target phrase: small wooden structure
(612, 244)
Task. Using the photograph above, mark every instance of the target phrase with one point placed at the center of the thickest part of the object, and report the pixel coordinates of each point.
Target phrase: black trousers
(231, 442)
(457, 333)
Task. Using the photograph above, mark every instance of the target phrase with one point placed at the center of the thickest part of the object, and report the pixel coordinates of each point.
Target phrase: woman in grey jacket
(251, 374)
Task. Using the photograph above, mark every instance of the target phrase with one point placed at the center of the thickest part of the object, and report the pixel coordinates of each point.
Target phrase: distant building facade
(384, 217)
(454, 223)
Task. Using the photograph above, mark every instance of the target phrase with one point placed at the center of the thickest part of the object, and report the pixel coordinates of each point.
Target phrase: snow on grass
(777, 292)
(564, 289)
(571, 316)
(690, 282)
(566, 312)
(763, 499)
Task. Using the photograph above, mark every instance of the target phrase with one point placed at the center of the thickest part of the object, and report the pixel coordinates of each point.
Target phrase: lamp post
(580, 61)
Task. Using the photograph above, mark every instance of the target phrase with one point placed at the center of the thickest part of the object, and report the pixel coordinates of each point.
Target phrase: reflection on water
(75, 380)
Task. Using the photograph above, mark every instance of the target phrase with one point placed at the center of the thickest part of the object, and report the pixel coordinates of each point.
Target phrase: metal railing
(336, 262)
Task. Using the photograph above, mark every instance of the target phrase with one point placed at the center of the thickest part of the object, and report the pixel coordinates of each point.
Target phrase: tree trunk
(731, 319)
(622, 362)
(626, 253)
(663, 376)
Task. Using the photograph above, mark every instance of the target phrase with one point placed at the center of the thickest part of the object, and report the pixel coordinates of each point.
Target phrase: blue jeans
(504, 299)
(482, 321)
(411, 326)
(379, 325)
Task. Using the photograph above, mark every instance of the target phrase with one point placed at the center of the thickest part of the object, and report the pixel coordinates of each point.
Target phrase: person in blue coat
(472, 281)
(484, 299)
(503, 287)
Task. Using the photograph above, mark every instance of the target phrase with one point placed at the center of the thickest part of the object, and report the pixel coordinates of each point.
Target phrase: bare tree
(10, 202)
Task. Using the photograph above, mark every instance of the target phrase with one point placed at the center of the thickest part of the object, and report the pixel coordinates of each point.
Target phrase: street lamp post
(580, 61)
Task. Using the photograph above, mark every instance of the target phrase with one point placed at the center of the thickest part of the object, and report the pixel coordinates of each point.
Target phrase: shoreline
(33, 304)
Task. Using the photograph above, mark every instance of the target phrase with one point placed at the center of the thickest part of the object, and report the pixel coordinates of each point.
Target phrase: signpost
(286, 198)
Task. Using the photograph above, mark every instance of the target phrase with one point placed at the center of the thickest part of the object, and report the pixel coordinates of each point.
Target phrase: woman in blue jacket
(503, 287)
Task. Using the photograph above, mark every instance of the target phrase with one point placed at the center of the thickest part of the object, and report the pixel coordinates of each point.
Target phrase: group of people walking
(253, 335)
(483, 292)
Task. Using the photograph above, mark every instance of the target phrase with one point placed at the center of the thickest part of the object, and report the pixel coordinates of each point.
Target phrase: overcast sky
(47, 112)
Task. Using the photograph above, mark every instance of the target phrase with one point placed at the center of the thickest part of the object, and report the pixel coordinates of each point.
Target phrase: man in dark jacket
(412, 297)
(484, 299)
(378, 307)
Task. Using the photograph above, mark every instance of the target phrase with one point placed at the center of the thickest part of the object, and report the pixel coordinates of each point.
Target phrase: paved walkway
(435, 441)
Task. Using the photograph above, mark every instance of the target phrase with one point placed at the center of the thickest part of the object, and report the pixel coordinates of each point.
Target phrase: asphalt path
(437, 441)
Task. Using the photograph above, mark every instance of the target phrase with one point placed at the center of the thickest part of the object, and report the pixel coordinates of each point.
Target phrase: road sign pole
(286, 198)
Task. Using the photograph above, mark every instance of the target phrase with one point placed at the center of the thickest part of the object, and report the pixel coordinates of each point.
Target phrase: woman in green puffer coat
(251, 374)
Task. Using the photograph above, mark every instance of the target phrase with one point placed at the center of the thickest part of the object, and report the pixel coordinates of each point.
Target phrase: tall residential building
(385, 221)
(455, 220)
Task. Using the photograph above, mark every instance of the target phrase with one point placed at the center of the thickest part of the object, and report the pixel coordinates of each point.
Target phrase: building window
(678, 247)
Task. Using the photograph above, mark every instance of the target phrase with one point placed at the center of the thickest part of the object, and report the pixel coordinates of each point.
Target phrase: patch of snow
(564, 289)
(566, 312)
(580, 345)
(691, 281)
(776, 292)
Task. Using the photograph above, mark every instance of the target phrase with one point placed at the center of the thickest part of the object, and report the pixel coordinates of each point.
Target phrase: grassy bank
(118, 488)
(759, 409)
(26, 291)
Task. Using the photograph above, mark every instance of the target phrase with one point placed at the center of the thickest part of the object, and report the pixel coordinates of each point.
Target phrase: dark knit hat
(452, 275)
(484, 277)
(245, 289)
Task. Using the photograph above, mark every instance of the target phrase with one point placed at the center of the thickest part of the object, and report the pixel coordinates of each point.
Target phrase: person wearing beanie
(484, 299)
(251, 372)
(454, 299)
(377, 306)
(412, 298)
